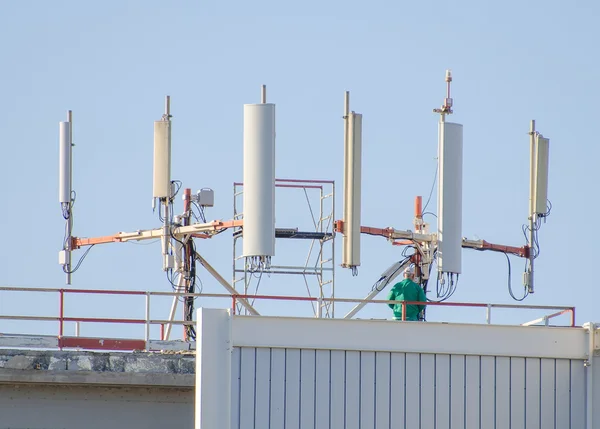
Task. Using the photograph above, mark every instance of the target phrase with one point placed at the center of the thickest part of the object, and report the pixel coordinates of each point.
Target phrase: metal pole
(488, 314)
(532, 217)
(69, 246)
(187, 255)
(76, 329)
(333, 250)
(263, 94)
(234, 247)
(321, 249)
(187, 202)
(166, 232)
(346, 104)
(590, 369)
(346, 184)
(167, 223)
(320, 306)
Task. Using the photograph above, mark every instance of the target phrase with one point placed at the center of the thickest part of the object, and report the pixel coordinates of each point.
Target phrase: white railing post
(488, 314)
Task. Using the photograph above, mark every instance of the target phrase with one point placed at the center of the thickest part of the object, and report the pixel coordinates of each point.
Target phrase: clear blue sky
(113, 62)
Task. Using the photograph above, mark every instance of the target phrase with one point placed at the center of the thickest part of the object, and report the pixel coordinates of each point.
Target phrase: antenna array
(256, 225)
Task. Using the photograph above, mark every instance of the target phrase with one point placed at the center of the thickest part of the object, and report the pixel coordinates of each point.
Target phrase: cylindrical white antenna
(162, 154)
(64, 163)
(263, 94)
(259, 183)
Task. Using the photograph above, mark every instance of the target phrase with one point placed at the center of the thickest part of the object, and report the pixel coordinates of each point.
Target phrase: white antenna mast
(352, 187)
(538, 195)
(162, 177)
(450, 147)
(65, 192)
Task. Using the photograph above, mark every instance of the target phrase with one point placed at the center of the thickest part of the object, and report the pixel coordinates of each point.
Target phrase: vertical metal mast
(167, 222)
(532, 215)
(65, 193)
(69, 246)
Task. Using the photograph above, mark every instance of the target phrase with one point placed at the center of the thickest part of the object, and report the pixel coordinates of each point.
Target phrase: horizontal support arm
(523, 251)
(390, 233)
(214, 226)
(199, 230)
(394, 234)
(117, 238)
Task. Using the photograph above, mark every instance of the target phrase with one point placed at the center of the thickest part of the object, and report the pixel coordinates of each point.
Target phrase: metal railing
(488, 307)
(147, 321)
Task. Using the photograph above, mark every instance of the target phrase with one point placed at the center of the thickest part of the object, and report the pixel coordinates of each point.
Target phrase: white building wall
(302, 373)
(308, 388)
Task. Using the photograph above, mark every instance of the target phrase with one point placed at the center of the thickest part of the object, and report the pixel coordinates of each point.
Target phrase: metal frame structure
(320, 260)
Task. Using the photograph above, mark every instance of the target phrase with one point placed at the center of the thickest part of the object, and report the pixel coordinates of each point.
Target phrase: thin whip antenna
(446, 108)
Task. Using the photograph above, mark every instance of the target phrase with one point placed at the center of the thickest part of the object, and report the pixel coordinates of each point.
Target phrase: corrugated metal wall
(293, 389)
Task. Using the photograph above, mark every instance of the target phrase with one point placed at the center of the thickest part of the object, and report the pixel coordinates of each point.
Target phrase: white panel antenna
(450, 198)
(540, 196)
(65, 190)
(259, 184)
(352, 187)
(64, 163)
(162, 155)
(539, 148)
